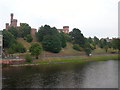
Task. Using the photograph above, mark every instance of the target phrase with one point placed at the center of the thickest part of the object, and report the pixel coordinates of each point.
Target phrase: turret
(11, 19)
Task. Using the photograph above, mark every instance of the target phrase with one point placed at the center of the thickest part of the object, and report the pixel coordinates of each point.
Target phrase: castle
(65, 29)
(13, 22)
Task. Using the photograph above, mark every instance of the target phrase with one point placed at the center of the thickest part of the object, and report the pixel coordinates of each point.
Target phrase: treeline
(53, 41)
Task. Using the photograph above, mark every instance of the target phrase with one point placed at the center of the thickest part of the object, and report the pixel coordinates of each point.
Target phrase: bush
(76, 47)
(88, 51)
(63, 40)
(52, 43)
(35, 49)
(28, 38)
(17, 48)
(28, 58)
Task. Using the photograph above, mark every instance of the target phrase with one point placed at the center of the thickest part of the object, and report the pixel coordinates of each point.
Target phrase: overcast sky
(93, 17)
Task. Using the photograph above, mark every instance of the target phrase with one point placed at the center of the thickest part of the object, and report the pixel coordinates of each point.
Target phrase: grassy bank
(72, 59)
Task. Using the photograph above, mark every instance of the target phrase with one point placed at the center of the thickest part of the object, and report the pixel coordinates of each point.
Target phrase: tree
(96, 40)
(13, 31)
(46, 30)
(28, 58)
(11, 51)
(90, 40)
(35, 49)
(52, 43)
(77, 37)
(106, 48)
(88, 49)
(28, 38)
(102, 43)
(24, 29)
(68, 37)
(63, 40)
(17, 48)
(8, 39)
(116, 43)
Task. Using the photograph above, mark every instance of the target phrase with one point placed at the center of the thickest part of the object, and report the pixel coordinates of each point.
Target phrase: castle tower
(33, 31)
(7, 26)
(14, 23)
(66, 29)
(11, 18)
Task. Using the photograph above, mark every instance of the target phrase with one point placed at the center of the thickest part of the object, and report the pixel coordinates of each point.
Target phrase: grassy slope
(65, 51)
(26, 44)
(99, 50)
(70, 50)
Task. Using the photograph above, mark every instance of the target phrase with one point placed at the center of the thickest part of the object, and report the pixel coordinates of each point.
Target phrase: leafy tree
(28, 38)
(8, 39)
(90, 40)
(46, 30)
(51, 43)
(13, 31)
(96, 40)
(88, 49)
(116, 43)
(17, 47)
(102, 43)
(106, 48)
(35, 49)
(28, 58)
(11, 51)
(24, 29)
(63, 39)
(77, 37)
(109, 44)
(68, 37)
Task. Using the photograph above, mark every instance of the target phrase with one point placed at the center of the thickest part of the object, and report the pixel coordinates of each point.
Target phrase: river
(99, 74)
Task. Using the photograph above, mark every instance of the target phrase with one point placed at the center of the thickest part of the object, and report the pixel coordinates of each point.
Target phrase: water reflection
(102, 74)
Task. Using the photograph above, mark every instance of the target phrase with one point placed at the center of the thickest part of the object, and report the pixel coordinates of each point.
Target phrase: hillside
(67, 51)
(26, 44)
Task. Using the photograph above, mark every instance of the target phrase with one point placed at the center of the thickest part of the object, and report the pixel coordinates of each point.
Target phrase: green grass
(100, 50)
(73, 59)
(69, 50)
(26, 44)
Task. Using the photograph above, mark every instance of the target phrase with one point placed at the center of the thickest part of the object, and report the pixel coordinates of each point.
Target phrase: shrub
(17, 48)
(76, 47)
(28, 58)
(28, 38)
(88, 51)
(52, 43)
(35, 49)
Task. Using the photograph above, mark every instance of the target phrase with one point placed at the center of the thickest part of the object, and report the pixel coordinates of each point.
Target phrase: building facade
(65, 29)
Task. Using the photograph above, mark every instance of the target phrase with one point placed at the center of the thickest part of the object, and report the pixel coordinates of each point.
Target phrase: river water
(100, 74)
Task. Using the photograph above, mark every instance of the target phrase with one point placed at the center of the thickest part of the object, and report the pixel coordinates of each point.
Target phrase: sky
(93, 17)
